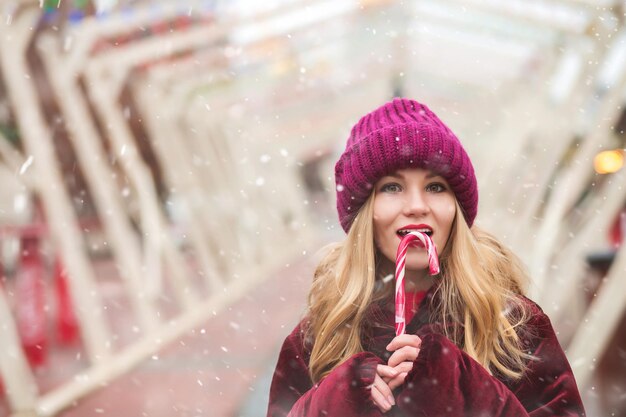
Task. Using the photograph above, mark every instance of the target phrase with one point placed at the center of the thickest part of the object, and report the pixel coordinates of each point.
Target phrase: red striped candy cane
(433, 268)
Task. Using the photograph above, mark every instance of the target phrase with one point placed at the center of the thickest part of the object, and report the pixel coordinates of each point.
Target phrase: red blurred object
(67, 327)
(160, 27)
(30, 308)
(182, 22)
(617, 230)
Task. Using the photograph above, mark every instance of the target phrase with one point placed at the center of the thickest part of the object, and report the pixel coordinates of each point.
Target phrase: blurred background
(166, 180)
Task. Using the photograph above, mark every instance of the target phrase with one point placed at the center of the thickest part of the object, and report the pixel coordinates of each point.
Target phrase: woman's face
(412, 199)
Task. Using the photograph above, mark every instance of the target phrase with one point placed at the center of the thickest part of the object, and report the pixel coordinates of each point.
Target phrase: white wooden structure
(533, 88)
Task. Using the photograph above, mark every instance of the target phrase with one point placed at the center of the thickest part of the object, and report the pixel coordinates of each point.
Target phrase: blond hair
(481, 285)
(480, 305)
(340, 295)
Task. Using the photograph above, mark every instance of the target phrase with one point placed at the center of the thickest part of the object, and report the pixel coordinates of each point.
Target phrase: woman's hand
(405, 349)
(381, 392)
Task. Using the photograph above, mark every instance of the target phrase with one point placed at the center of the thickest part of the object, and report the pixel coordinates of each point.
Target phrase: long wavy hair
(480, 305)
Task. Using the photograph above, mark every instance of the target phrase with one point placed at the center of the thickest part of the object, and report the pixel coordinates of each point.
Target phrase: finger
(406, 353)
(381, 394)
(403, 367)
(383, 388)
(404, 340)
(380, 401)
(386, 371)
(397, 381)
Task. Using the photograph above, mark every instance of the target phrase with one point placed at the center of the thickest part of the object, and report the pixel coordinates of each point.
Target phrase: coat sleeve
(549, 387)
(344, 392)
(447, 381)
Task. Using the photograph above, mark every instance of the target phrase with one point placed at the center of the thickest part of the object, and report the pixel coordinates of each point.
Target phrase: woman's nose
(416, 203)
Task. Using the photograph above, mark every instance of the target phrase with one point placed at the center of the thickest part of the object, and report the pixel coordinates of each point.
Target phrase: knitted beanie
(401, 134)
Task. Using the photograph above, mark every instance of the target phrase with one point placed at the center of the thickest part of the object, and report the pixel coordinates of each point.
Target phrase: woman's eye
(391, 187)
(436, 188)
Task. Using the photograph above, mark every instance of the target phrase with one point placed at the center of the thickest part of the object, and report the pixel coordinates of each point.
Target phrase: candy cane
(433, 269)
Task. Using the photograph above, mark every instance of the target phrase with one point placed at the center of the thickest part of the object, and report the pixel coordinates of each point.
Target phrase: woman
(474, 345)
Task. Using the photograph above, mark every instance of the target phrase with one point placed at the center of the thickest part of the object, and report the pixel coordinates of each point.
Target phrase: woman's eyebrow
(432, 175)
(399, 176)
(396, 176)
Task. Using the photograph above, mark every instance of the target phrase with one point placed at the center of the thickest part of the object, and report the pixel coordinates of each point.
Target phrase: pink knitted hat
(401, 134)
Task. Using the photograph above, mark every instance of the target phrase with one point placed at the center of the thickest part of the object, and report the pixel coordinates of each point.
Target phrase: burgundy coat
(444, 381)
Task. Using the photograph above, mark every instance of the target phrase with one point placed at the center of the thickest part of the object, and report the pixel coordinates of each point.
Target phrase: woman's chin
(416, 269)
